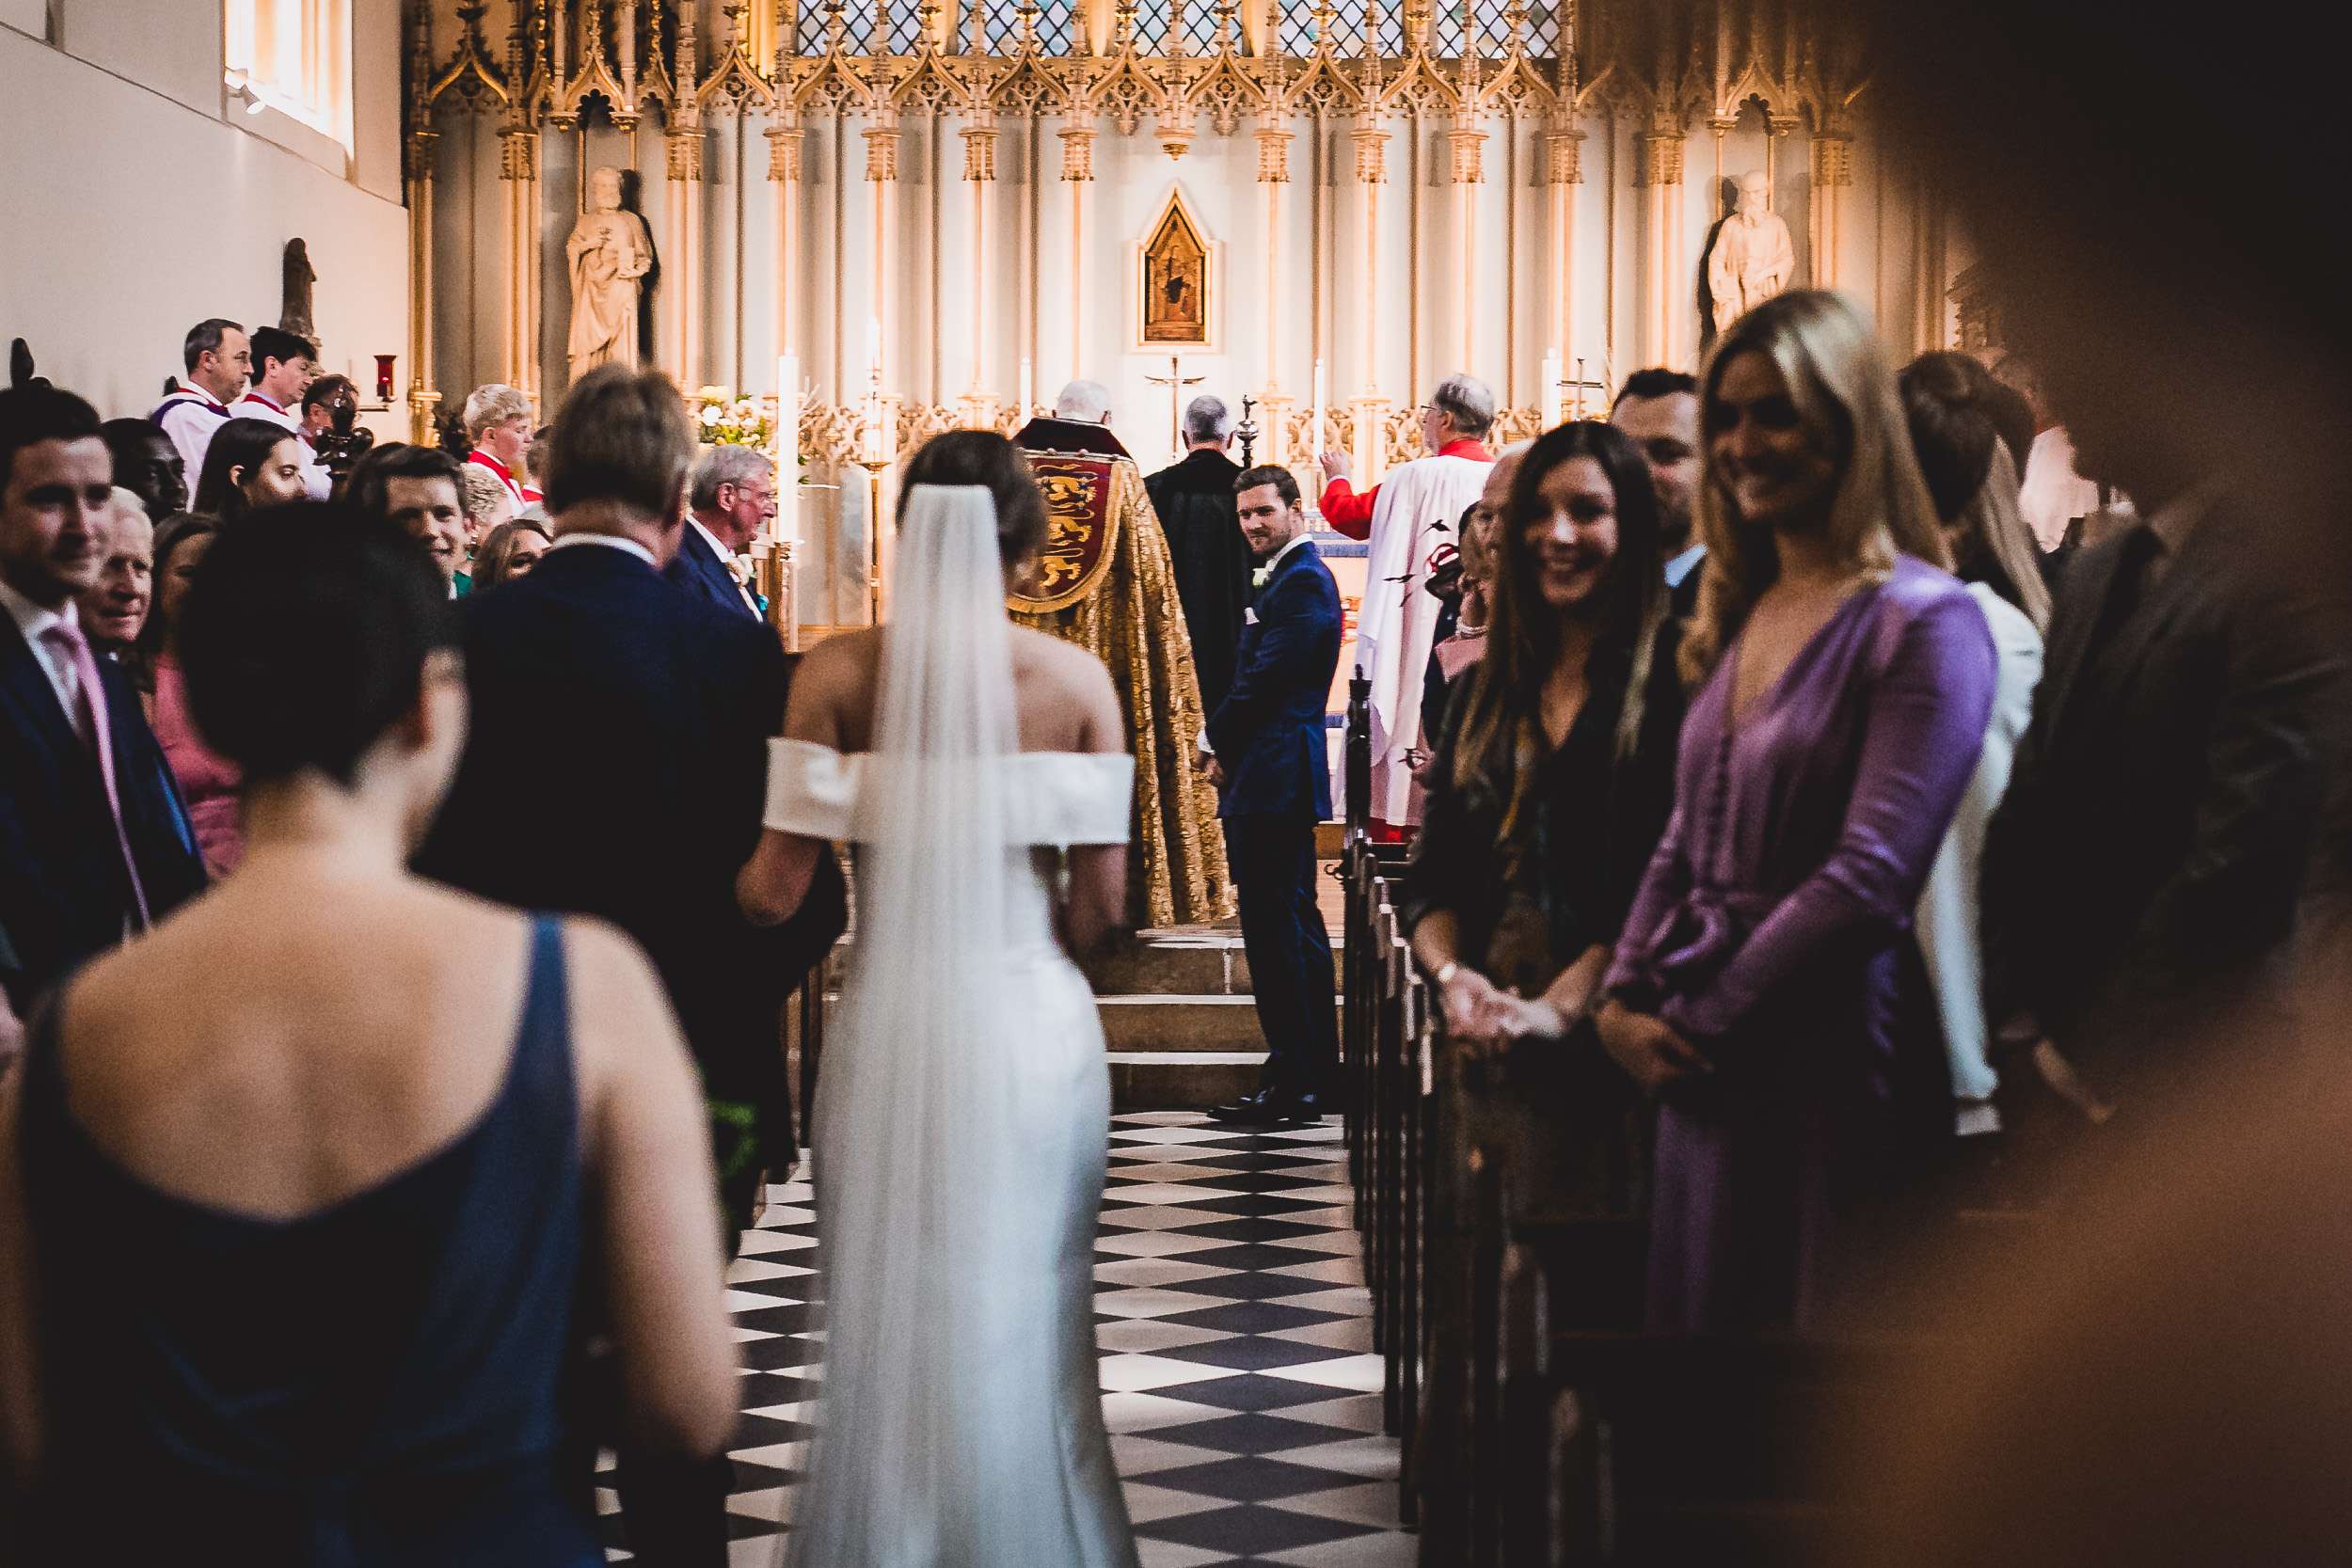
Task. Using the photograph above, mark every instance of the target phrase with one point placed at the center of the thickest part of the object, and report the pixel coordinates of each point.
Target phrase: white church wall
(123, 126)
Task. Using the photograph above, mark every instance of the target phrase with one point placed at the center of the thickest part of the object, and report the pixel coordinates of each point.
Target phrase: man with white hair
(733, 497)
(1107, 584)
(1408, 517)
(1193, 500)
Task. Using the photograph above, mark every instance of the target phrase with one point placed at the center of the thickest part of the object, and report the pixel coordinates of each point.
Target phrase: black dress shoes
(1271, 1108)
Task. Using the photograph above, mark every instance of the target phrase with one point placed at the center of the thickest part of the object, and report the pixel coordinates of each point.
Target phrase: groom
(1269, 763)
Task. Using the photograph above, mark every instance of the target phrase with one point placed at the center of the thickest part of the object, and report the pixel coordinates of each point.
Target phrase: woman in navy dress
(298, 1191)
(1764, 987)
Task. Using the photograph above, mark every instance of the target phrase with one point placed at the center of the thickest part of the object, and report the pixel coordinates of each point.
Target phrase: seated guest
(498, 422)
(417, 490)
(148, 465)
(1953, 407)
(93, 843)
(733, 497)
(488, 504)
(250, 462)
(508, 553)
(114, 608)
(373, 1133)
(1767, 985)
(208, 782)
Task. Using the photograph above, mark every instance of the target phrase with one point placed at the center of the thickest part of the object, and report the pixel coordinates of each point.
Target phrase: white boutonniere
(1258, 577)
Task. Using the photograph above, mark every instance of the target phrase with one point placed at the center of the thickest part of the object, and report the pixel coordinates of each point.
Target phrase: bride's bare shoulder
(1068, 702)
(832, 688)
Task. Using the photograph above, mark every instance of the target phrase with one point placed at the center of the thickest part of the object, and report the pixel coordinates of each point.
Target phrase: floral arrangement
(723, 418)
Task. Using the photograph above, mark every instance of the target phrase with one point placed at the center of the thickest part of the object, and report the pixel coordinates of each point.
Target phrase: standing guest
(1767, 985)
(1193, 500)
(417, 492)
(219, 362)
(509, 552)
(2053, 493)
(1554, 776)
(487, 504)
(331, 411)
(498, 422)
(733, 496)
(1659, 410)
(93, 843)
(1954, 411)
(1461, 631)
(2144, 877)
(374, 1132)
(251, 463)
(148, 465)
(209, 782)
(638, 720)
(282, 374)
(1274, 784)
(1405, 516)
(114, 608)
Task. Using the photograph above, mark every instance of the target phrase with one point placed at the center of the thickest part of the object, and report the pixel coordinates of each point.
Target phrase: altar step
(1178, 1019)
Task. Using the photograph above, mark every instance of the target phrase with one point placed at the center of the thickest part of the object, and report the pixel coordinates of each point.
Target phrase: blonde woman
(1766, 987)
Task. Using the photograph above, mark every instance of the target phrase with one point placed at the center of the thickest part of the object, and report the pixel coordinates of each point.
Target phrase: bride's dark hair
(985, 458)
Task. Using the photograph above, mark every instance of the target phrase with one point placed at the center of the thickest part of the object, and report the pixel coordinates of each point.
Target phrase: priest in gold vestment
(1105, 584)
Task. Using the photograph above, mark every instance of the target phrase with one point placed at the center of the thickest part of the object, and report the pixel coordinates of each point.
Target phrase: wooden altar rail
(1540, 1426)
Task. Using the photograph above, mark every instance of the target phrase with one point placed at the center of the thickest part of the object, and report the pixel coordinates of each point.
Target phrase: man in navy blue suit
(94, 841)
(616, 765)
(733, 497)
(1272, 771)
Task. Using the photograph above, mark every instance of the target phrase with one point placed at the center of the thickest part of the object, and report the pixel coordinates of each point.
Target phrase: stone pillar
(1465, 168)
(979, 172)
(681, 261)
(1658, 176)
(518, 172)
(1833, 180)
(1561, 153)
(416, 170)
(1077, 168)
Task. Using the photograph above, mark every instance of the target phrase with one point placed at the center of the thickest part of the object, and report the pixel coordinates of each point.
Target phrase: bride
(962, 1114)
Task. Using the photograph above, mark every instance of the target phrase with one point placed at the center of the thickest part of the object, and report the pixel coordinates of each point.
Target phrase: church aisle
(1240, 1386)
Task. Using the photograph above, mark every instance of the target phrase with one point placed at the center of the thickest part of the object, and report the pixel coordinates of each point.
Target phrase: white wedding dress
(962, 1111)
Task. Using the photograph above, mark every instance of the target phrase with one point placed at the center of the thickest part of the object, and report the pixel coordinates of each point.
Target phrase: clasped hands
(1487, 1020)
(1653, 1053)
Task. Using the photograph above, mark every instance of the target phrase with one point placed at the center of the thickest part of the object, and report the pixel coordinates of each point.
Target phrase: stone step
(1180, 1080)
(1194, 962)
(1179, 1025)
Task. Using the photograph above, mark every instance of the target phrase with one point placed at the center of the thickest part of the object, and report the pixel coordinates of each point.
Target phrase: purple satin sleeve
(1922, 734)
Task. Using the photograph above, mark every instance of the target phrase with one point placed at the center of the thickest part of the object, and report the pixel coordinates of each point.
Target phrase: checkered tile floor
(1238, 1377)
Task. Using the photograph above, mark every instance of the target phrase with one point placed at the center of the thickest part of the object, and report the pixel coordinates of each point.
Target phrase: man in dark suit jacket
(1271, 765)
(2141, 878)
(94, 839)
(616, 766)
(1195, 502)
(733, 497)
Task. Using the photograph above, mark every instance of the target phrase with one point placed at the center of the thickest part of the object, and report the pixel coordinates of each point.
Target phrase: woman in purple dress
(1764, 989)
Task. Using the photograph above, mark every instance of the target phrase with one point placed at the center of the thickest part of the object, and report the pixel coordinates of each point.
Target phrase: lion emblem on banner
(1081, 537)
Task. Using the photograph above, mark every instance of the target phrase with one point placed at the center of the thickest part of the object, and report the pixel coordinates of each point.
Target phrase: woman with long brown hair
(1766, 987)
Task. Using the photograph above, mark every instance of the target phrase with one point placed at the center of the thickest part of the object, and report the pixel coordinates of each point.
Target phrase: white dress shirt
(34, 621)
(2052, 495)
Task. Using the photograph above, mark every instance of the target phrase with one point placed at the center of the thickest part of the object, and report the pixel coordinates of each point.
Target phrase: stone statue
(609, 252)
(294, 311)
(1752, 258)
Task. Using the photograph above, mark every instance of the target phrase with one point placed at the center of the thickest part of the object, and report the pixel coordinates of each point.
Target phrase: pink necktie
(101, 739)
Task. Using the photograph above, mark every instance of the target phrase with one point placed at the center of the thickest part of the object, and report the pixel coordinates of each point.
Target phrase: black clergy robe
(1198, 513)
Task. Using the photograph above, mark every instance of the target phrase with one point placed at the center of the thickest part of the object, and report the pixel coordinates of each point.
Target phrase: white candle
(1551, 390)
(1323, 392)
(1024, 387)
(873, 347)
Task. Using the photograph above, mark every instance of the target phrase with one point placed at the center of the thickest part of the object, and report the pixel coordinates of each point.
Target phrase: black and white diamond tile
(1239, 1381)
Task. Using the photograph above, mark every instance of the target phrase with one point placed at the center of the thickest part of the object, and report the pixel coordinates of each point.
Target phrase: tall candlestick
(1322, 396)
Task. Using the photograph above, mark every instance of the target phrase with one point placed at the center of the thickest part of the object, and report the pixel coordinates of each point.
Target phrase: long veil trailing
(930, 1429)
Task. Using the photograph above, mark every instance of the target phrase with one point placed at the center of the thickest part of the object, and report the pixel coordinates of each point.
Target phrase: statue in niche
(294, 309)
(1752, 258)
(610, 253)
(1176, 282)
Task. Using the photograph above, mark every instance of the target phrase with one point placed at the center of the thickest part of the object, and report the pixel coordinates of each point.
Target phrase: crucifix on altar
(1176, 381)
(1576, 387)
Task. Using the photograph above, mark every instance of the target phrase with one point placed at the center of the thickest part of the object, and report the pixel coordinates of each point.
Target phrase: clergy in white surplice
(1411, 521)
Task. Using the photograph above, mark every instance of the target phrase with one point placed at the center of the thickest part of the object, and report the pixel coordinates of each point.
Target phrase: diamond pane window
(1200, 26)
(1543, 32)
(1295, 33)
(906, 27)
(861, 28)
(1152, 18)
(1057, 27)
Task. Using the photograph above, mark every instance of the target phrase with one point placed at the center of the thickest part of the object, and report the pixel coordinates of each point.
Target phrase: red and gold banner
(1083, 536)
